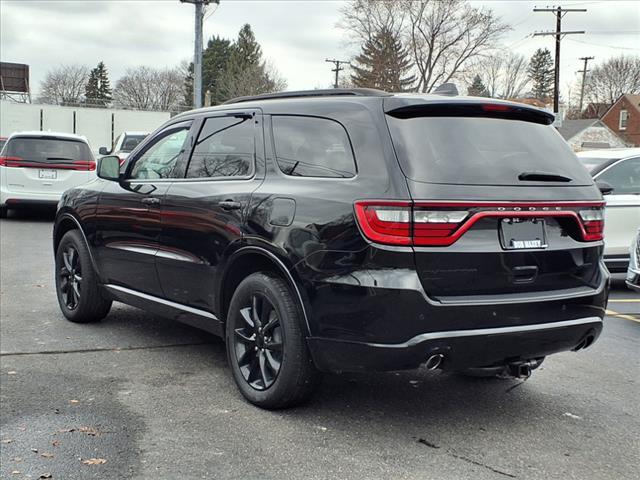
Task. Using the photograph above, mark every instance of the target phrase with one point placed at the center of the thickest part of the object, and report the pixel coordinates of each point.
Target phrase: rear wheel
(77, 287)
(266, 347)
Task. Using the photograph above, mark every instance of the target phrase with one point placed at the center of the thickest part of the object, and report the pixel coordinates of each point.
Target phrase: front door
(128, 215)
(203, 213)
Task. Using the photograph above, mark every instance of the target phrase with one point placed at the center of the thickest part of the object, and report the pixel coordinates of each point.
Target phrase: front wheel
(77, 287)
(266, 346)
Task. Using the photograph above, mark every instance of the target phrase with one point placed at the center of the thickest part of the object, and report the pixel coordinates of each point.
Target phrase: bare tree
(442, 35)
(65, 84)
(613, 78)
(503, 73)
(147, 88)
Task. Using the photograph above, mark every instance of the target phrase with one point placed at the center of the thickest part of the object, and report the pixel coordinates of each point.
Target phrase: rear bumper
(617, 263)
(460, 349)
(17, 199)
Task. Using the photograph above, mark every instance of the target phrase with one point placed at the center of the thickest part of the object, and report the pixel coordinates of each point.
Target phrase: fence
(99, 125)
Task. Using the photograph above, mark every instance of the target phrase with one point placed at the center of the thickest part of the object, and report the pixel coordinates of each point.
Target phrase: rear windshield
(483, 151)
(47, 150)
(130, 142)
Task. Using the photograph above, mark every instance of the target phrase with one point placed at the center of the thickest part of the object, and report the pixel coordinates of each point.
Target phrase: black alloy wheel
(70, 277)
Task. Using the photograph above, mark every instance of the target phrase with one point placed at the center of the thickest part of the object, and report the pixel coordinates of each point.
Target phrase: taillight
(443, 223)
(593, 224)
(89, 165)
(9, 161)
(496, 107)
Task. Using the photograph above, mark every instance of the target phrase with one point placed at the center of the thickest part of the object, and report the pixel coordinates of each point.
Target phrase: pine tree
(477, 88)
(383, 63)
(214, 63)
(98, 89)
(188, 86)
(542, 74)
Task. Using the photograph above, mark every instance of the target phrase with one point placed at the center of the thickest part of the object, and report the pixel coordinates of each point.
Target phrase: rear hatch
(501, 205)
(46, 164)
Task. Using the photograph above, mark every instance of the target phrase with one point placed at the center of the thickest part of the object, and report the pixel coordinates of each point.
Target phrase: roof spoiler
(448, 89)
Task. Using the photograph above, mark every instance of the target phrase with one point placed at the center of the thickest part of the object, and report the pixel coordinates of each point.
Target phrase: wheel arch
(251, 259)
(66, 222)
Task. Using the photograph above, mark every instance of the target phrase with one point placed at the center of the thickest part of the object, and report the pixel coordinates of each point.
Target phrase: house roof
(570, 128)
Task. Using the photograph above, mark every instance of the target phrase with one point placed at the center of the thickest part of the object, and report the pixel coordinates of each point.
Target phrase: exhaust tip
(584, 343)
(434, 361)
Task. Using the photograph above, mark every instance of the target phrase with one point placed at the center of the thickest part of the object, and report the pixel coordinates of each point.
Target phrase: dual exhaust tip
(584, 343)
(434, 361)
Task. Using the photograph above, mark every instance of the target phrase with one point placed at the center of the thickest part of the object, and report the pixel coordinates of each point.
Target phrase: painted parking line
(624, 300)
(622, 315)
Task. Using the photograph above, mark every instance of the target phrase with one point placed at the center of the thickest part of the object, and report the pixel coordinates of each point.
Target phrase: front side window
(624, 177)
(225, 148)
(160, 159)
(312, 147)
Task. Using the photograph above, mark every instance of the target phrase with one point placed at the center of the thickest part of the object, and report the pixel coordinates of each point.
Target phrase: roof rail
(333, 92)
(448, 89)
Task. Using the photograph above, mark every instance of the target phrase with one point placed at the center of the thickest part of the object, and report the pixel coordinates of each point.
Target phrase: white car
(124, 144)
(633, 274)
(618, 168)
(37, 167)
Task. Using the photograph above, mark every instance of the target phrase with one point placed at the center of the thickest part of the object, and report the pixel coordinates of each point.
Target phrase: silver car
(633, 274)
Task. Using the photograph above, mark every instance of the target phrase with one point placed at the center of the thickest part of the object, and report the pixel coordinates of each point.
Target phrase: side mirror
(605, 187)
(109, 168)
(103, 151)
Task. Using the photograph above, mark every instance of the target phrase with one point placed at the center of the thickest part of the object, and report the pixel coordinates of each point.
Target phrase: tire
(271, 366)
(77, 287)
(3, 211)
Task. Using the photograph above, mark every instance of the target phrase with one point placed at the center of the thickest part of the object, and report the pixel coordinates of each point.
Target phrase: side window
(624, 177)
(225, 148)
(312, 147)
(159, 159)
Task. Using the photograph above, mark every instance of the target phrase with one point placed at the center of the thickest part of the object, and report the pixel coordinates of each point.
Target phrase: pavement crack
(480, 464)
(105, 349)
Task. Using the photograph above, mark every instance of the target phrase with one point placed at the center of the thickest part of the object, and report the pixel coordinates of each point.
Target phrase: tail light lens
(19, 162)
(9, 161)
(441, 224)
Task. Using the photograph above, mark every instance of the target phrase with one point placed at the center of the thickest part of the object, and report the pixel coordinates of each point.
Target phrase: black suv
(346, 230)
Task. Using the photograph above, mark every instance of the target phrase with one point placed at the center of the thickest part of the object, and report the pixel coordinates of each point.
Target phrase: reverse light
(591, 215)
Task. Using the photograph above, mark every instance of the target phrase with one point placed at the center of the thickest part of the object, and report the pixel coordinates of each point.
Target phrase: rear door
(45, 164)
(622, 217)
(203, 213)
(502, 206)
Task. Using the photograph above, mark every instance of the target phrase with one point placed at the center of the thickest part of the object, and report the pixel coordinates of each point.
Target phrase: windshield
(484, 151)
(130, 142)
(48, 150)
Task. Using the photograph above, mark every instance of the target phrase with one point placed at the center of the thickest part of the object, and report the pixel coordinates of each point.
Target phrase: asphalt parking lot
(137, 396)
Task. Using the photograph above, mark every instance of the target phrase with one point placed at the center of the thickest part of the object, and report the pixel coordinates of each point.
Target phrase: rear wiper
(60, 158)
(543, 177)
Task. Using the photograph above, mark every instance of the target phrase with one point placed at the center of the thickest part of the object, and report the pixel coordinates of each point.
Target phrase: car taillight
(9, 161)
(443, 223)
(89, 165)
(593, 224)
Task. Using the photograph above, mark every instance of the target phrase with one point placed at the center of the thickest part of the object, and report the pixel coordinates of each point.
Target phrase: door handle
(230, 205)
(151, 201)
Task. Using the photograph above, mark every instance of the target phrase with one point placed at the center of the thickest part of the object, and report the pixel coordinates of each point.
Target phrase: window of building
(624, 116)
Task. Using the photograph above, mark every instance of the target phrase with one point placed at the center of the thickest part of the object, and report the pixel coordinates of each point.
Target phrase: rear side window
(225, 148)
(40, 150)
(130, 142)
(482, 151)
(312, 147)
(624, 177)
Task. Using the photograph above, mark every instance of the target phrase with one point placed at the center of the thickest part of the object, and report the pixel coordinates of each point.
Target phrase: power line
(584, 77)
(338, 68)
(602, 45)
(559, 12)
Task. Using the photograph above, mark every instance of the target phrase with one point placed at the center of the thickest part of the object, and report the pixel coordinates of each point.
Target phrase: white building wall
(94, 123)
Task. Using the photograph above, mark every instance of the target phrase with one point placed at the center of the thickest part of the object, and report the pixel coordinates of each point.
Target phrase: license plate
(47, 174)
(522, 233)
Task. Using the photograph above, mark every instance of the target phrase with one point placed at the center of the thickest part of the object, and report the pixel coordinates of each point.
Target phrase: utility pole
(559, 12)
(197, 51)
(584, 78)
(338, 68)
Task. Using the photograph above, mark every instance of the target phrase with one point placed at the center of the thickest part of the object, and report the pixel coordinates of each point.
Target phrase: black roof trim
(333, 92)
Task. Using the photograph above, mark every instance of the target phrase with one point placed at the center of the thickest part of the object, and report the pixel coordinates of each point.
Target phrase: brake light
(19, 162)
(8, 161)
(495, 107)
(88, 165)
(443, 223)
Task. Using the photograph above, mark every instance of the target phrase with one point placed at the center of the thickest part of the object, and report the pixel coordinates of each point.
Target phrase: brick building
(623, 117)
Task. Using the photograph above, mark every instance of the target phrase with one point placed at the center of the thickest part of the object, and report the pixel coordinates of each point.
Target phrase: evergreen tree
(188, 86)
(98, 89)
(477, 88)
(214, 64)
(383, 63)
(542, 74)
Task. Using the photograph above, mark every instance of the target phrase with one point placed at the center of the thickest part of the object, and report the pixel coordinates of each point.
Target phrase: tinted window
(48, 150)
(131, 141)
(225, 148)
(312, 147)
(624, 177)
(159, 160)
(481, 151)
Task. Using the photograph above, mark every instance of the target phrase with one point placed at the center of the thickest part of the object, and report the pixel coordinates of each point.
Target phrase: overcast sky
(296, 36)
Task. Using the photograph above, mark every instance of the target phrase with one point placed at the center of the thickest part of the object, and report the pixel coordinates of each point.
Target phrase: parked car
(619, 171)
(633, 274)
(346, 230)
(36, 167)
(3, 140)
(124, 145)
